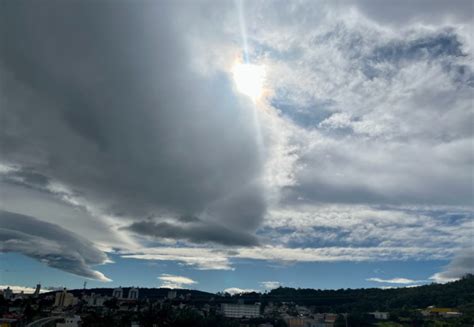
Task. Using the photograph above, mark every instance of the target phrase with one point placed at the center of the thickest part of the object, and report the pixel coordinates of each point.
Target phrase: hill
(454, 294)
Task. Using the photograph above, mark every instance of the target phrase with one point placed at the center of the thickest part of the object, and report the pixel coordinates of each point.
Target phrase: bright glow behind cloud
(249, 79)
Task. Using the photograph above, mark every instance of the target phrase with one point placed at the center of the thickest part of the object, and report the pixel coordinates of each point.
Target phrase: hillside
(454, 294)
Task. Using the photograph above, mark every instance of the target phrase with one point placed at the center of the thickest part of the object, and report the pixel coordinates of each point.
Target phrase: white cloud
(236, 290)
(220, 259)
(173, 281)
(269, 285)
(200, 258)
(397, 280)
(404, 286)
(24, 289)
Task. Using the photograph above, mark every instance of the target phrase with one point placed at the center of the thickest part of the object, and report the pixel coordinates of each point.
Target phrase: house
(441, 312)
(380, 315)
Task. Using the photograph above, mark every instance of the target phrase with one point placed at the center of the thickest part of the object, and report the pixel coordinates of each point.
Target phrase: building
(380, 315)
(294, 321)
(74, 321)
(451, 314)
(240, 310)
(7, 293)
(171, 295)
(439, 312)
(330, 319)
(37, 290)
(64, 299)
(117, 293)
(133, 294)
(95, 300)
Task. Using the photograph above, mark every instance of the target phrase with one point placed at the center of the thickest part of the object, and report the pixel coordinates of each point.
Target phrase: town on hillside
(281, 307)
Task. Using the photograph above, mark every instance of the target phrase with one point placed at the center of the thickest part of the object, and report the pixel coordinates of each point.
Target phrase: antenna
(85, 284)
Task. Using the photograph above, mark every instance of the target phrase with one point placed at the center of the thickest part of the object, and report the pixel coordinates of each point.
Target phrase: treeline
(454, 294)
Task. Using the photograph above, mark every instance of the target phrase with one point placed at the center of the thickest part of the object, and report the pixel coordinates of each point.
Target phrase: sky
(236, 145)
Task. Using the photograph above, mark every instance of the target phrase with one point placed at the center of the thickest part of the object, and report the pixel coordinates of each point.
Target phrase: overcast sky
(126, 145)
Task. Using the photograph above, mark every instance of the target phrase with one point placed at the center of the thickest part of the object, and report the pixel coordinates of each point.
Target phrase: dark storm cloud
(196, 232)
(101, 97)
(51, 244)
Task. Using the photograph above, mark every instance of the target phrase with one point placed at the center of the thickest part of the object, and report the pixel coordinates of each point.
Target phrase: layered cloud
(173, 281)
(397, 280)
(51, 244)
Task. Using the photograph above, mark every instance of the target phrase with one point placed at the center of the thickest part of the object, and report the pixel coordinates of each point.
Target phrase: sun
(249, 79)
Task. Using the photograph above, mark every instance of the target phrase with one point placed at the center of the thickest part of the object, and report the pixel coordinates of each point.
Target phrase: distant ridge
(453, 294)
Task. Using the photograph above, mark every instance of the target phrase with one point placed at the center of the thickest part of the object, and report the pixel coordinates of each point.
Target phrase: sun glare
(249, 79)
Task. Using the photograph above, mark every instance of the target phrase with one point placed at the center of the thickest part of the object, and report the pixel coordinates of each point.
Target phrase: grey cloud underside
(195, 232)
(403, 12)
(462, 264)
(101, 98)
(51, 244)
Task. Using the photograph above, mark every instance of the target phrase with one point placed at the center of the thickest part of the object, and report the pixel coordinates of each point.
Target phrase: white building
(74, 321)
(117, 293)
(95, 300)
(133, 294)
(240, 310)
(380, 315)
(64, 299)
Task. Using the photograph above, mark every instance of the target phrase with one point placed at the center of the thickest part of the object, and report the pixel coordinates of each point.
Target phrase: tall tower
(37, 290)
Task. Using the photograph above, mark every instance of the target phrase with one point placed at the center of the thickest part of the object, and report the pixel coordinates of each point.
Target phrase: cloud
(220, 259)
(200, 258)
(195, 232)
(269, 285)
(421, 11)
(361, 151)
(308, 225)
(50, 244)
(462, 264)
(393, 287)
(55, 205)
(131, 145)
(405, 107)
(397, 280)
(24, 289)
(236, 290)
(173, 281)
